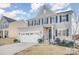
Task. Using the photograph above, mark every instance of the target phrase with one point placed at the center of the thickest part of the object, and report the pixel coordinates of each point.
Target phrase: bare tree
(73, 36)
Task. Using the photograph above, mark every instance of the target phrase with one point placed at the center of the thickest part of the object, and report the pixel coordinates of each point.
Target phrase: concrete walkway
(14, 48)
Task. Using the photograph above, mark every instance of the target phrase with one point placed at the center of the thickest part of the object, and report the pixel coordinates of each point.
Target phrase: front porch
(48, 34)
(3, 33)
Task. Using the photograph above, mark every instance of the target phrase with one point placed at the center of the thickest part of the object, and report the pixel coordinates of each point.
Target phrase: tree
(73, 36)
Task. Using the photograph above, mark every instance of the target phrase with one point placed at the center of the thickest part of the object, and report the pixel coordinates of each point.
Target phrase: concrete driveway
(14, 48)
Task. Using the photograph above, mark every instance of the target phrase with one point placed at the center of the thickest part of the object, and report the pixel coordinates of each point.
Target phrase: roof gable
(44, 12)
(7, 19)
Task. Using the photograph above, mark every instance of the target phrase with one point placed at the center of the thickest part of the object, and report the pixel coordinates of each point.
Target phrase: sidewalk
(14, 48)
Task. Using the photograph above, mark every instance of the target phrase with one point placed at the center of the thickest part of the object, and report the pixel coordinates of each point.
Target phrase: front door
(47, 34)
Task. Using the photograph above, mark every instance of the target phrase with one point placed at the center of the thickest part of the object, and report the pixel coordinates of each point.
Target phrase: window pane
(67, 32)
(67, 17)
(47, 20)
(39, 21)
(28, 23)
(60, 18)
(56, 19)
(34, 22)
(50, 20)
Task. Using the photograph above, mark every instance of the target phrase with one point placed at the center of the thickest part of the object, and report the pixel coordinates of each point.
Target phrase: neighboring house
(8, 27)
(48, 25)
(4, 25)
(13, 28)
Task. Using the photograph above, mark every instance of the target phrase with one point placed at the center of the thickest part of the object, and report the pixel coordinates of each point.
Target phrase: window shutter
(67, 32)
(50, 20)
(67, 18)
(60, 18)
(47, 20)
(42, 20)
(56, 32)
(56, 19)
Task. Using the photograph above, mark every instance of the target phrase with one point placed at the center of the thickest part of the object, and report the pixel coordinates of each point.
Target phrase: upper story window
(34, 22)
(64, 18)
(50, 20)
(42, 21)
(67, 17)
(45, 21)
(37, 22)
(56, 19)
(28, 23)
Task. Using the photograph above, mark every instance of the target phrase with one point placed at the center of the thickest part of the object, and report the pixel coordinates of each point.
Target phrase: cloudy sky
(24, 11)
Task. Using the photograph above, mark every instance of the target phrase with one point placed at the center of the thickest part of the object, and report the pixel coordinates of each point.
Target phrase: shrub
(58, 41)
(67, 43)
(16, 40)
(40, 40)
(70, 44)
(63, 42)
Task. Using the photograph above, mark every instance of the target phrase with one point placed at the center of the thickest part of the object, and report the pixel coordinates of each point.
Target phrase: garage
(30, 37)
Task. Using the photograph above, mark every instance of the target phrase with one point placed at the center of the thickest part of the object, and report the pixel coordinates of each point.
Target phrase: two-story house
(48, 25)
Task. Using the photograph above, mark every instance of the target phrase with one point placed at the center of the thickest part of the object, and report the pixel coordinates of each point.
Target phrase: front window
(64, 32)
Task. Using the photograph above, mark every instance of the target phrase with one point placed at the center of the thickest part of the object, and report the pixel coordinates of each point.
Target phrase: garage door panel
(30, 38)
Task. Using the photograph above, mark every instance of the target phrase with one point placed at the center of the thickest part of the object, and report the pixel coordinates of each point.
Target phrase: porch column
(48, 20)
(52, 28)
(3, 34)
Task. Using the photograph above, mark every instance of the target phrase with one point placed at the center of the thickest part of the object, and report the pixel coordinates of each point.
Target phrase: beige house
(8, 27)
(13, 28)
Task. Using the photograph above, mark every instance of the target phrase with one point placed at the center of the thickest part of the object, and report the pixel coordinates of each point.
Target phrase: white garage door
(29, 38)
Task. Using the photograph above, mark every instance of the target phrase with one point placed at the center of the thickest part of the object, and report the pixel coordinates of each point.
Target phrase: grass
(6, 41)
(45, 49)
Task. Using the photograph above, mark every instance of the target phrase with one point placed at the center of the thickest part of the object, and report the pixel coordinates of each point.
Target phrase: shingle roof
(8, 19)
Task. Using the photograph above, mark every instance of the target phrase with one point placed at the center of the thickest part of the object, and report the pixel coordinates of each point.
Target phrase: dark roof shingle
(8, 19)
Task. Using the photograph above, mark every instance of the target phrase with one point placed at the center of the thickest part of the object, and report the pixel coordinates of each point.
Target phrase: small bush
(67, 43)
(40, 40)
(70, 44)
(16, 40)
(58, 41)
(63, 42)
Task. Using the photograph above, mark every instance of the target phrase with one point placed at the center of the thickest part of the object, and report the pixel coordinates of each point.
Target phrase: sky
(25, 11)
